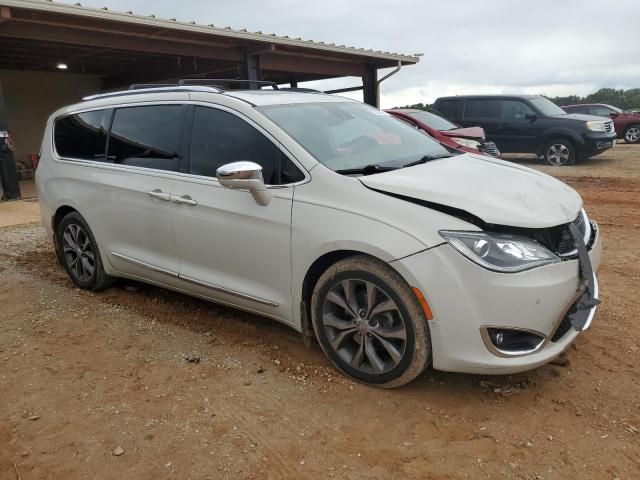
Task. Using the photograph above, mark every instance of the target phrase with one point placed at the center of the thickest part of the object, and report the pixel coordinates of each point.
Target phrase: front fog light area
(500, 252)
(507, 341)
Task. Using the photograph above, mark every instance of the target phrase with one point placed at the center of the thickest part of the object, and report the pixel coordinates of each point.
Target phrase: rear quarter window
(82, 136)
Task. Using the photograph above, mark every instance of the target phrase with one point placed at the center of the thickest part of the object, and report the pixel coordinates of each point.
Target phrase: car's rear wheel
(560, 152)
(369, 322)
(632, 133)
(78, 252)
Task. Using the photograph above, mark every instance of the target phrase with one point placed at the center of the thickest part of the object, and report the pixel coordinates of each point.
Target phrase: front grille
(558, 239)
(565, 242)
(608, 126)
(490, 148)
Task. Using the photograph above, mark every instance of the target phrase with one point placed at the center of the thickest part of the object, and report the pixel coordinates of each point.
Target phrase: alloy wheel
(632, 135)
(364, 326)
(78, 252)
(558, 154)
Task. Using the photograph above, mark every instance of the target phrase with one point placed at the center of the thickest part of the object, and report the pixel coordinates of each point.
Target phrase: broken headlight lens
(465, 142)
(500, 252)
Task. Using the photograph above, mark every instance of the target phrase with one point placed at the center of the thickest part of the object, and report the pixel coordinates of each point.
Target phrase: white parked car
(327, 215)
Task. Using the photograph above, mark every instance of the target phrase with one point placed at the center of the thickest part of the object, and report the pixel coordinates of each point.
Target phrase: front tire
(369, 323)
(560, 152)
(79, 255)
(632, 134)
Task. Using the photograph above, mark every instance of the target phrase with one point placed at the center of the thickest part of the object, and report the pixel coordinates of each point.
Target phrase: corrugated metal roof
(172, 24)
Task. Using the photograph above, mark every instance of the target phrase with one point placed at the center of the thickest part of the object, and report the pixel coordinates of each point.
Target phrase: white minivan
(327, 215)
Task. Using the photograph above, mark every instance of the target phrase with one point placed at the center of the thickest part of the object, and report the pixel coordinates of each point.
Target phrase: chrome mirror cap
(245, 176)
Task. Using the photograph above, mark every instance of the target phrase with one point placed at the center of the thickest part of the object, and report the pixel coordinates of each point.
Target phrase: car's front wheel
(560, 152)
(632, 133)
(79, 255)
(370, 323)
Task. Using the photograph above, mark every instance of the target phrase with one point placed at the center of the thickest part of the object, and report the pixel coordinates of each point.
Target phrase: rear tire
(79, 254)
(560, 152)
(369, 323)
(632, 133)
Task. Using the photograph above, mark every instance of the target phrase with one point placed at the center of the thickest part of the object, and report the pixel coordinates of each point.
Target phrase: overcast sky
(551, 47)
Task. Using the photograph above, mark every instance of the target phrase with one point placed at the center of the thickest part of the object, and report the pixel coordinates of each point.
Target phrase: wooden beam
(54, 33)
(287, 63)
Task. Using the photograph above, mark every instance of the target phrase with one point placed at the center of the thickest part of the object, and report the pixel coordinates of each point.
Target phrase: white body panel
(229, 249)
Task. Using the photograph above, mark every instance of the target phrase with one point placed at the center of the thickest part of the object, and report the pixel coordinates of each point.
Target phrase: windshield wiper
(428, 158)
(366, 170)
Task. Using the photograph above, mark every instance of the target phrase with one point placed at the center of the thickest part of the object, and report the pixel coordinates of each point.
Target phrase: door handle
(184, 200)
(157, 193)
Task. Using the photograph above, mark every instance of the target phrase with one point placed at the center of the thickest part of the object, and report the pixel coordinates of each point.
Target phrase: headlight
(500, 252)
(465, 142)
(596, 126)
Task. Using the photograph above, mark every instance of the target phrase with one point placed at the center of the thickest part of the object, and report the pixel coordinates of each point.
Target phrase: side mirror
(245, 176)
(614, 114)
(531, 116)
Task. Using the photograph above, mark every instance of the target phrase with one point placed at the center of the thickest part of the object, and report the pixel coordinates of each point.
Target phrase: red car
(469, 140)
(627, 124)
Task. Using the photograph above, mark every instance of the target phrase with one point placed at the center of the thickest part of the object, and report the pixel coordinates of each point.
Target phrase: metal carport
(103, 49)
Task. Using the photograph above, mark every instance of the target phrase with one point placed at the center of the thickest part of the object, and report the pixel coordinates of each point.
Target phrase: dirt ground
(85, 376)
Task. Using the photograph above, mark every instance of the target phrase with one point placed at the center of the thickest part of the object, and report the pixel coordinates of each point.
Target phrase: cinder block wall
(30, 97)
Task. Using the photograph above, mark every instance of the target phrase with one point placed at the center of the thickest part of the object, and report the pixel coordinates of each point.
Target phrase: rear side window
(482, 109)
(147, 136)
(219, 137)
(82, 135)
(448, 109)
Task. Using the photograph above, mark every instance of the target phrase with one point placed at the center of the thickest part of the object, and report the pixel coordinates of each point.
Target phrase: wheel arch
(313, 274)
(563, 133)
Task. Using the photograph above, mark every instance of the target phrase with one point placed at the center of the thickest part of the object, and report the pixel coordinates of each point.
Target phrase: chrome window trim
(181, 175)
(261, 129)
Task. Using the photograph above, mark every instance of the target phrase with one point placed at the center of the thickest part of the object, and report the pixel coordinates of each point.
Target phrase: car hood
(496, 191)
(582, 117)
(474, 133)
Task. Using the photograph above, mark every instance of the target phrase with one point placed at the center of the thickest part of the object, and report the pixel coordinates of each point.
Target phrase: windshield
(547, 107)
(434, 121)
(351, 135)
(615, 109)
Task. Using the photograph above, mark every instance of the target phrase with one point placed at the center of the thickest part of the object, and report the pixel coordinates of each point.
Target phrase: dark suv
(627, 124)
(531, 124)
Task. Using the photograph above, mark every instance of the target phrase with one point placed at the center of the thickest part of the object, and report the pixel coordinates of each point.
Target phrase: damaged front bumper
(468, 302)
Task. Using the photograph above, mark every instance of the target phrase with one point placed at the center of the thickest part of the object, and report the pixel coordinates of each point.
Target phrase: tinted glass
(482, 109)
(434, 121)
(448, 108)
(575, 109)
(546, 106)
(219, 137)
(514, 110)
(146, 136)
(351, 135)
(82, 135)
(600, 111)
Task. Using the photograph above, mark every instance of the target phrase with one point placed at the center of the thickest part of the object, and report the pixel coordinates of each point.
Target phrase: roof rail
(140, 88)
(301, 90)
(216, 81)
